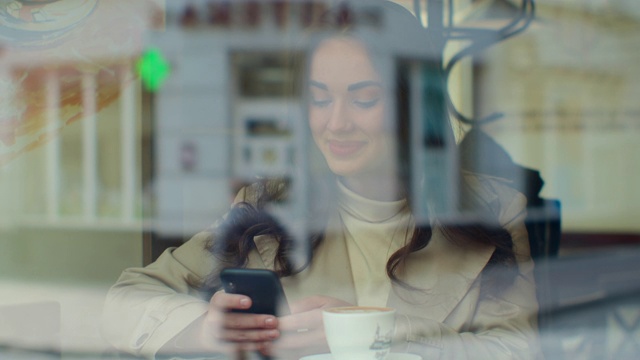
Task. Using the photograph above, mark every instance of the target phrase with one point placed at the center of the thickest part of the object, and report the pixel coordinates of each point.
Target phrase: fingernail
(270, 321)
(273, 334)
(244, 302)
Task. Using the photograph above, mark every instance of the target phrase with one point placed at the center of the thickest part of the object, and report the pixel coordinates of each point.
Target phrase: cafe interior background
(124, 127)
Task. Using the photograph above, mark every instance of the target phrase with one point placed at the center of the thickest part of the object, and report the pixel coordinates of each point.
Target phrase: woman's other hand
(302, 332)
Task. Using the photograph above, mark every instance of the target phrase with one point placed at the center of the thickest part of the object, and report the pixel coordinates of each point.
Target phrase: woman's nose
(339, 118)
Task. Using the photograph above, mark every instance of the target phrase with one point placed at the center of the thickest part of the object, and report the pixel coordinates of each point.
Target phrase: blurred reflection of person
(461, 290)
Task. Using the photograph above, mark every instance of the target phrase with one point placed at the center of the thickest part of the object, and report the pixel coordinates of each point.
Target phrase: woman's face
(347, 109)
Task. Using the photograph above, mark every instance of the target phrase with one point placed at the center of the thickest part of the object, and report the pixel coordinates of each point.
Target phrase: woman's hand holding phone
(227, 331)
(222, 330)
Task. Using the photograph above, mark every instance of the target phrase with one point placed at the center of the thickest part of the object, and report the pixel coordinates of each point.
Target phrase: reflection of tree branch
(482, 39)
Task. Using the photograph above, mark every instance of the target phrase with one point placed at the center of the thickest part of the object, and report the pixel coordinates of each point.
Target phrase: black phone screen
(262, 286)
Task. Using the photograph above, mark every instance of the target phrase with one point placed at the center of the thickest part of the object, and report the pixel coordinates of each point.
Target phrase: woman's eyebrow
(363, 84)
(318, 85)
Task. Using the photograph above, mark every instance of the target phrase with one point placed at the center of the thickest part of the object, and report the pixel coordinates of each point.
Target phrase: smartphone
(262, 286)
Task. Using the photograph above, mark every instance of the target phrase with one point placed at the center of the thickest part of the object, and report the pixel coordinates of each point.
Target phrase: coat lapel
(443, 271)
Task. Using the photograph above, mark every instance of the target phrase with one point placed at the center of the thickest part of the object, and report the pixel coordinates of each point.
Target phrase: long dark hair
(233, 239)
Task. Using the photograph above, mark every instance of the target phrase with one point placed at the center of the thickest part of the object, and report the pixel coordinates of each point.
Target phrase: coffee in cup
(359, 332)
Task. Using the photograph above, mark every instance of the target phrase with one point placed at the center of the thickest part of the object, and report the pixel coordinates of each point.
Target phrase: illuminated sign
(153, 69)
(251, 14)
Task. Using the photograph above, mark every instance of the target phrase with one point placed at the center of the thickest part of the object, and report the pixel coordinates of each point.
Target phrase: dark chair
(544, 228)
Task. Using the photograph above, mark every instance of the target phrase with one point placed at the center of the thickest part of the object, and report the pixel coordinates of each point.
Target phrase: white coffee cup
(359, 332)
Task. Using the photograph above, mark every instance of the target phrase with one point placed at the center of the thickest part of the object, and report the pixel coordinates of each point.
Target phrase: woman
(461, 291)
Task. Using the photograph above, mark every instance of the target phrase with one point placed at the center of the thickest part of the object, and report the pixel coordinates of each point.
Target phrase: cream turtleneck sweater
(373, 231)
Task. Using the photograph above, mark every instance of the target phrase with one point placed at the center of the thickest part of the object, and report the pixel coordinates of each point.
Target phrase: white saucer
(392, 356)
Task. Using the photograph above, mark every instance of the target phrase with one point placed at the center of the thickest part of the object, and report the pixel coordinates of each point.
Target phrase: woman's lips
(345, 148)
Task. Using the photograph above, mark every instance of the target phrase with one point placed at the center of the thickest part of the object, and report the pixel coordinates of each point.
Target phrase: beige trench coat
(450, 320)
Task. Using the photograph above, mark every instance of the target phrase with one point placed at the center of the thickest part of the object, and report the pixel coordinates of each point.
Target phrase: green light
(153, 69)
